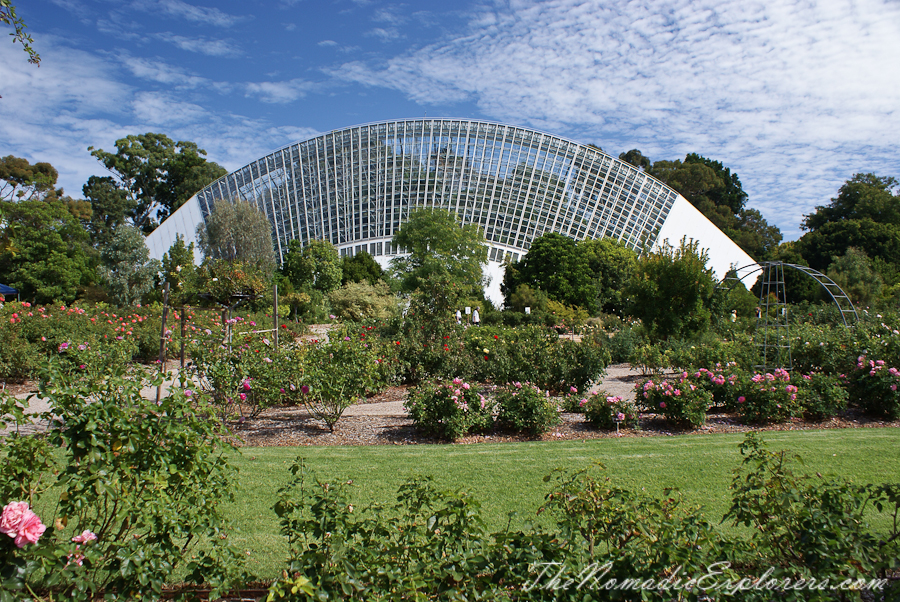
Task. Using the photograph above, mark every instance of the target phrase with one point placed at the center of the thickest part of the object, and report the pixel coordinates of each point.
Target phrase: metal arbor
(772, 333)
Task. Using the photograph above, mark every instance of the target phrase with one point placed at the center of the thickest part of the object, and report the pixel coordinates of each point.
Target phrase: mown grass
(508, 478)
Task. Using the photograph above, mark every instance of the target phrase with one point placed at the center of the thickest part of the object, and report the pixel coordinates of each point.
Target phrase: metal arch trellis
(772, 334)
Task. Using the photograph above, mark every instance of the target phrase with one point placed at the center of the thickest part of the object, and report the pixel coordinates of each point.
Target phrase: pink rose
(243, 397)
(85, 537)
(30, 530)
(13, 513)
(662, 404)
(246, 385)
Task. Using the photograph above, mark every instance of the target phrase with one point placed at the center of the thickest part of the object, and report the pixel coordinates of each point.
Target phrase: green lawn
(508, 477)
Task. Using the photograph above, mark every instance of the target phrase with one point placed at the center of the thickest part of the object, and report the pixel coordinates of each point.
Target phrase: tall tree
(361, 267)
(237, 232)
(127, 271)
(110, 207)
(439, 246)
(555, 265)
(611, 265)
(159, 175)
(179, 271)
(865, 215)
(22, 181)
(636, 158)
(671, 291)
(43, 251)
(316, 266)
(717, 193)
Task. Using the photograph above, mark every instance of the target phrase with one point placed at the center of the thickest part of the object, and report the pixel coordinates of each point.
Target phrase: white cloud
(328, 43)
(385, 34)
(76, 99)
(279, 92)
(202, 45)
(794, 95)
(183, 10)
(159, 71)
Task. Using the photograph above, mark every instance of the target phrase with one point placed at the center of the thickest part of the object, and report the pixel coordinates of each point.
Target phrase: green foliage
(526, 296)
(159, 175)
(806, 527)
(680, 400)
(361, 268)
(623, 343)
(555, 265)
(619, 536)
(317, 266)
(875, 387)
(449, 410)
(242, 381)
(822, 395)
(770, 397)
(22, 181)
(717, 193)
(127, 272)
(430, 545)
(144, 479)
(636, 158)
(237, 232)
(611, 265)
(357, 301)
(179, 271)
(43, 251)
(9, 17)
(607, 412)
(525, 408)
(671, 291)
(335, 375)
(110, 207)
(225, 282)
(854, 274)
(439, 246)
(712, 350)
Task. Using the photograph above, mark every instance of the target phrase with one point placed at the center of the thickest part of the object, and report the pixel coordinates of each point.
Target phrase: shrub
(526, 408)
(608, 412)
(449, 410)
(574, 402)
(725, 384)
(769, 397)
(623, 343)
(875, 387)
(681, 400)
(335, 375)
(822, 395)
(139, 483)
(650, 358)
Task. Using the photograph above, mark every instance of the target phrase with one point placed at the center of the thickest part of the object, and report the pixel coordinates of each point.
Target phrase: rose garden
(123, 495)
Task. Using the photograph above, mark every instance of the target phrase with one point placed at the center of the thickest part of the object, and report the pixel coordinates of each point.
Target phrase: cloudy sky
(794, 95)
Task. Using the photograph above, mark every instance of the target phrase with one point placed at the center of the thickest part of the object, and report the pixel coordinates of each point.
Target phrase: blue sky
(795, 95)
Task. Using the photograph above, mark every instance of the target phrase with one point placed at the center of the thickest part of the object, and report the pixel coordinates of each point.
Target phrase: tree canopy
(314, 267)
(157, 174)
(865, 215)
(127, 271)
(22, 181)
(671, 291)
(557, 266)
(43, 251)
(236, 231)
(717, 193)
(361, 267)
(438, 246)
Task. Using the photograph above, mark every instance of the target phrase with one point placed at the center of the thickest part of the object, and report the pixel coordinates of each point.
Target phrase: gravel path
(382, 420)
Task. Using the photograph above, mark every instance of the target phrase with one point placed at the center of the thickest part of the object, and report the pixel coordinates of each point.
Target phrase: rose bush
(449, 410)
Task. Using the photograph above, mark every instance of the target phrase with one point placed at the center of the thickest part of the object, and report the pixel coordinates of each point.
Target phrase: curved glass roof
(355, 186)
